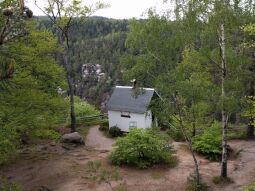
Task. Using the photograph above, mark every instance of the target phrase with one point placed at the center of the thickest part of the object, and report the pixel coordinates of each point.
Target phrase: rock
(53, 144)
(75, 138)
(8, 11)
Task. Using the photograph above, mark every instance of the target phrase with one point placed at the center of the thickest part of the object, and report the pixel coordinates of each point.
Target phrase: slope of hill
(96, 46)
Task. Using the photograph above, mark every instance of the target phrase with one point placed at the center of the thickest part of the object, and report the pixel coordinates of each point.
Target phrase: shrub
(174, 130)
(82, 110)
(141, 148)
(250, 187)
(210, 142)
(193, 186)
(175, 134)
(222, 181)
(8, 142)
(115, 131)
(47, 134)
(104, 126)
(105, 123)
(9, 186)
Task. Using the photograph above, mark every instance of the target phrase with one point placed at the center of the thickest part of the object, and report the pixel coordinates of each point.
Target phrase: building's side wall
(141, 120)
(148, 119)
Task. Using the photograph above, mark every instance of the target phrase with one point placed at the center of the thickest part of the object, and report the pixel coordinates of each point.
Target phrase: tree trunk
(71, 92)
(72, 111)
(224, 149)
(195, 162)
(63, 39)
(193, 129)
(250, 131)
(223, 112)
(189, 141)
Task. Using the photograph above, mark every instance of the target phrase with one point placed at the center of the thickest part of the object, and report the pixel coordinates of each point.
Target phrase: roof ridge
(129, 87)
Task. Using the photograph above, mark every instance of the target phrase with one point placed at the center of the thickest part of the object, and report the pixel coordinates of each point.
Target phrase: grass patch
(222, 181)
(172, 162)
(250, 187)
(193, 186)
(48, 134)
(9, 186)
(97, 173)
(157, 175)
(121, 187)
(237, 135)
(83, 130)
(237, 131)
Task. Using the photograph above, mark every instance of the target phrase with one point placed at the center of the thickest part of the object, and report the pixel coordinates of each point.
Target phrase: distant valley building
(128, 107)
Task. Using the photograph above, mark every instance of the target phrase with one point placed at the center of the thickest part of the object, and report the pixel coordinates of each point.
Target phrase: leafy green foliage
(141, 148)
(8, 140)
(250, 187)
(209, 142)
(104, 128)
(174, 131)
(154, 49)
(221, 181)
(83, 110)
(250, 30)
(175, 134)
(9, 186)
(250, 109)
(30, 105)
(115, 131)
(193, 186)
(47, 134)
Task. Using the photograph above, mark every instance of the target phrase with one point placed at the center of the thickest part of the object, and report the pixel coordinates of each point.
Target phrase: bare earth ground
(64, 169)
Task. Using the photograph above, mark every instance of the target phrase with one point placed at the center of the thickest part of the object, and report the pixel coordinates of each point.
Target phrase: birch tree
(223, 112)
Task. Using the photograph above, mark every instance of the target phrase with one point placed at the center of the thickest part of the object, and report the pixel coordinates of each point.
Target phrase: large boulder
(75, 138)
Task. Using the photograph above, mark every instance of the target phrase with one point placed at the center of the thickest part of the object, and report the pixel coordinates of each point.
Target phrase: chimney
(134, 83)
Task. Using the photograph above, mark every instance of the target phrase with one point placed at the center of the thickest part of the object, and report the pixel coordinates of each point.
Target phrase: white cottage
(128, 107)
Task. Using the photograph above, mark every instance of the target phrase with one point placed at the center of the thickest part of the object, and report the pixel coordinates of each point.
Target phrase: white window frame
(133, 124)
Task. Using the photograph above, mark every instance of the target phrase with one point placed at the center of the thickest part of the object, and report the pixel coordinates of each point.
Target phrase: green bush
(141, 148)
(222, 181)
(210, 142)
(9, 186)
(104, 128)
(193, 186)
(47, 134)
(83, 110)
(174, 130)
(105, 123)
(115, 131)
(250, 187)
(175, 134)
(8, 141)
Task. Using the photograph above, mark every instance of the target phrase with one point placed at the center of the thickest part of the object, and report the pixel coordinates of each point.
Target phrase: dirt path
(96, 140)
(64, 169)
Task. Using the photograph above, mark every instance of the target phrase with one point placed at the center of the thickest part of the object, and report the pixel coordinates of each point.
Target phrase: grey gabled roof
(125, 99)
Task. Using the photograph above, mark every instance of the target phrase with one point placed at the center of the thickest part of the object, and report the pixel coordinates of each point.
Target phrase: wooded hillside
(97, 45)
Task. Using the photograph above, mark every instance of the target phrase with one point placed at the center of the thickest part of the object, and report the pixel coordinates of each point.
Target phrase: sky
(119, 9)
